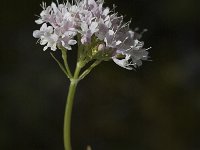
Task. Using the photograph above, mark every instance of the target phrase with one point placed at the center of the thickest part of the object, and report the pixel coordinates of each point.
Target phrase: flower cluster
(99, 28)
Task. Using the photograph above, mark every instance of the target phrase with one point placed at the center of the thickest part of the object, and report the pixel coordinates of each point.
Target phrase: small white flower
(123, 62)
(46, 36)
(44, 30)
(87, 31)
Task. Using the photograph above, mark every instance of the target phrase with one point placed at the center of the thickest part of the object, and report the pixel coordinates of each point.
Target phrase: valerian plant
(101, 35)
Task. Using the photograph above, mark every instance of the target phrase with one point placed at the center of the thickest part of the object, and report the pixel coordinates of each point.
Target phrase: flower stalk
(64, 56)
(67, 117)
(68, 109)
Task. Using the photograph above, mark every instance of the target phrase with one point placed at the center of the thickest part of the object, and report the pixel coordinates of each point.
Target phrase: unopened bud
(101, 47)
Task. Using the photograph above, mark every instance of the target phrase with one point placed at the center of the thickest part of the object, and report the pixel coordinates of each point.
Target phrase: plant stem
(68, 110)
(86, 72)
(64, 56)
(60, 65)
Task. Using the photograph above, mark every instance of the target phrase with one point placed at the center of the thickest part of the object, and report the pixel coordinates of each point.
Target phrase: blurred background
(156, 107)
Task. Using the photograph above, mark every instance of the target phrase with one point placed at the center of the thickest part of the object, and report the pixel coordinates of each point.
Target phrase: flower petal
(72, 42)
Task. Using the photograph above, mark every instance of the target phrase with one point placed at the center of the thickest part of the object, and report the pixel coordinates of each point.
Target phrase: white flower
(46, 36)
(87, 31)
(123, 62)
(88, 18)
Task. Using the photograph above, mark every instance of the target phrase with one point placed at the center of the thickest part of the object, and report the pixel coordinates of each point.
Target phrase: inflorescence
(99, 31)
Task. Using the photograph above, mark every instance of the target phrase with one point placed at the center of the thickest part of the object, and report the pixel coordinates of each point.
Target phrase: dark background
(156, 107)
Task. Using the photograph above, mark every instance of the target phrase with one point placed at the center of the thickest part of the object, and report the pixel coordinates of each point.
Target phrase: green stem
(86, 72)
(64, 56)
(60, 65)
(69, 105)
